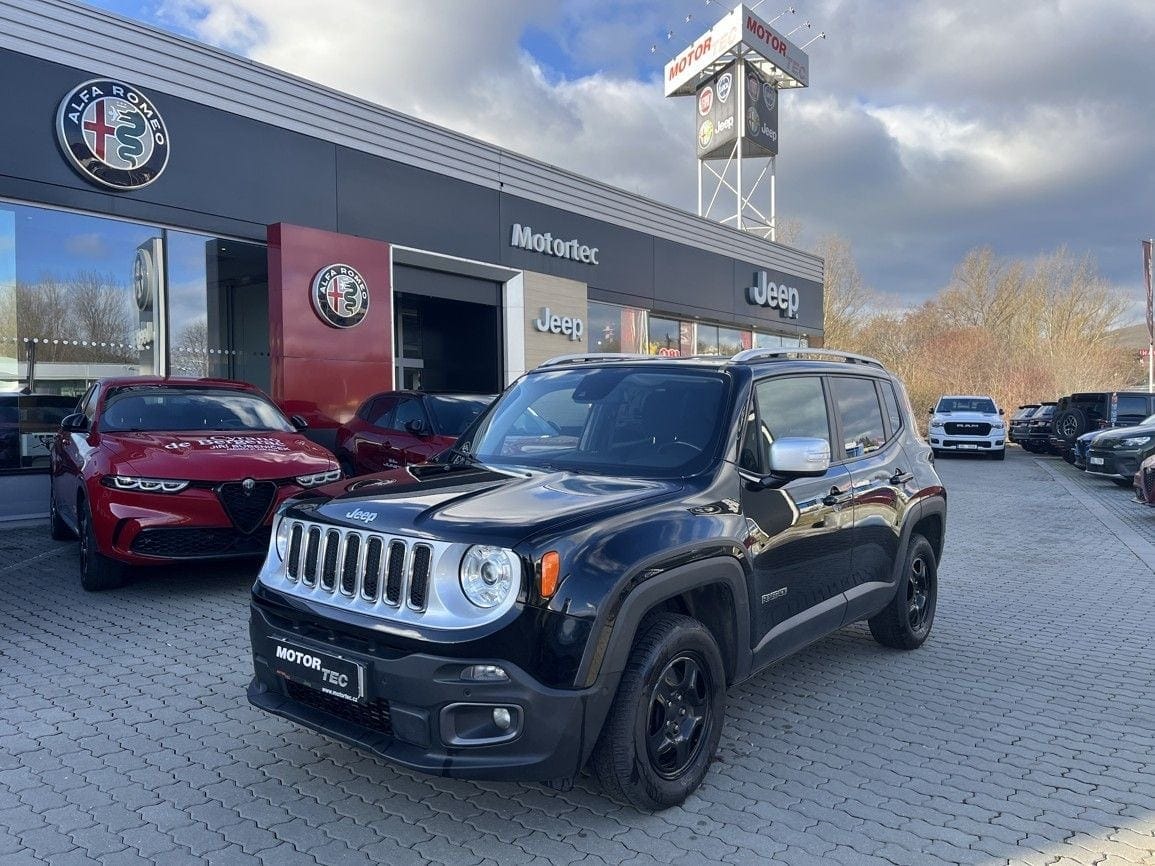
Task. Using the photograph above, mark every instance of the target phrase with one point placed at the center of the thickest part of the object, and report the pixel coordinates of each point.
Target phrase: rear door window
(856, 401)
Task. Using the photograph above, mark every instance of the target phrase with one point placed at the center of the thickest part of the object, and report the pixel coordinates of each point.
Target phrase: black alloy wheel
(663, 727)
(678, 716)
(906, 621)
(97, 571)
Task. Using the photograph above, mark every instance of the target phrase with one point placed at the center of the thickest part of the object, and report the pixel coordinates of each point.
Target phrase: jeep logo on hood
(363, 516)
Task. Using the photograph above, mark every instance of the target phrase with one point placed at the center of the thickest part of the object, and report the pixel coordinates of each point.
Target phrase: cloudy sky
(929, 127)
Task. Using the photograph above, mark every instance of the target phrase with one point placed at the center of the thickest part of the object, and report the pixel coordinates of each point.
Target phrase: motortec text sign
(740, 26)
(775, 47)
(524, 237)
(774, 295)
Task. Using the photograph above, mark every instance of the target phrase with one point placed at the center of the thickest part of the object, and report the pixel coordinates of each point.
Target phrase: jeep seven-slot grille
(353, 563)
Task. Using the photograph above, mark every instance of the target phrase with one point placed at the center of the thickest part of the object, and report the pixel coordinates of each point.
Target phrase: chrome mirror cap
(802, 456)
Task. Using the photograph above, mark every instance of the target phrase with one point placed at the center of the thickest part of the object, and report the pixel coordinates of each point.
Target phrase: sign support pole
(773, 198)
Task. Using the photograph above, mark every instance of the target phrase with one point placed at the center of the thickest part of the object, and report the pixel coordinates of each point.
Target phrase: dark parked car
(534, 601)
(1085, 412)
(1036, 434)
(397, 428)
(151, 471)
(1019, 421)
(1117, 454)
(28, 424)
(1144, 482)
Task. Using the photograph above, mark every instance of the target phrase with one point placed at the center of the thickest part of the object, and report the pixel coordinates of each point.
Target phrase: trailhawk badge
(112, 134)
(340, 296)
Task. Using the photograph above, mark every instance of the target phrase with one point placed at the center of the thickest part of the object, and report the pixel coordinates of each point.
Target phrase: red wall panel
(317, 370)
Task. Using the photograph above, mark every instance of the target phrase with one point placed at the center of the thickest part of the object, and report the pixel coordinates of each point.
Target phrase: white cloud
(929, 127)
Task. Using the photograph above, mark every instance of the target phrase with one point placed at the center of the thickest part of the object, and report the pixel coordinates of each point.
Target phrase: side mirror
(800, 457)
(74, 423)
(299, 423)
(930, 411)
(415, 426)
(1002, 412)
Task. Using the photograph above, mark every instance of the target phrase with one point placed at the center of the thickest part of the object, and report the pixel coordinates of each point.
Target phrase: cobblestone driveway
(1024, 731)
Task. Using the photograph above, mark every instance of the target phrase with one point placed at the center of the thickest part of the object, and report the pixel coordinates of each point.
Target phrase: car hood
(983, 417)
(478, 504)
(1108, 437)
(215, 456)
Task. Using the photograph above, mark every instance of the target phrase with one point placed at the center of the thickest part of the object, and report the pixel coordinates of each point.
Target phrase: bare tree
(846, 298)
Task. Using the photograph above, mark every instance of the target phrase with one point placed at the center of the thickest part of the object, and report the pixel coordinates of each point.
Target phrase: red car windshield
(453, 413)
(188, 409)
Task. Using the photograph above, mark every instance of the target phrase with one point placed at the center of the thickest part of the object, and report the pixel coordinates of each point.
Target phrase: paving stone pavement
(1022, 732)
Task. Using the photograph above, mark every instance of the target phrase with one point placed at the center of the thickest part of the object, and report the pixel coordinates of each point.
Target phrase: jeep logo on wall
(340, 296)
(112, 134)
(776, 296)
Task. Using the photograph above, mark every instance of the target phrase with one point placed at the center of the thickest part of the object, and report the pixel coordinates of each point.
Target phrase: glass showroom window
(670, 337)
(218, 308)
(616, 329)
(731, 341)
(72, 303)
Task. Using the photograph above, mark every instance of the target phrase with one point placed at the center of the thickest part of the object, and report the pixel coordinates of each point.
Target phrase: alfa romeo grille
(352, 563)
(248, 507)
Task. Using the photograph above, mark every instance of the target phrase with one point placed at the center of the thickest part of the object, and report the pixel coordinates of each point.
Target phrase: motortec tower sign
(779, 59)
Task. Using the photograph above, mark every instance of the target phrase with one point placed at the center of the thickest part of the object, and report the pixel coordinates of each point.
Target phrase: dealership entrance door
(447, 331)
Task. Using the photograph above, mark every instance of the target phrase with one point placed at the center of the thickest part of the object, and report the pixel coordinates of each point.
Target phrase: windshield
(1025, 412)
(452, 413)
(187, 409)
(1045, 411)
(649, 423)
(967, 404)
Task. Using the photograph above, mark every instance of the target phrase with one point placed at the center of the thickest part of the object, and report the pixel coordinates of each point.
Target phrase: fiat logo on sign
(340, 296)
(705, 101)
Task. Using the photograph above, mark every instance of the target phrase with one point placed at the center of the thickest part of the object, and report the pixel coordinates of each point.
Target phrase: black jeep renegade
(611, 545)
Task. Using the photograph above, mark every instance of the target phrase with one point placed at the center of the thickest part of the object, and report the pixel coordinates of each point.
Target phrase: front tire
(1001, 454)
(57, 528)
(905, 622)
(663, 728)
(97, 571)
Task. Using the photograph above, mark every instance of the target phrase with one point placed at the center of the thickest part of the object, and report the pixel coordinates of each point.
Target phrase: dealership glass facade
(618, 329)
(82, 297)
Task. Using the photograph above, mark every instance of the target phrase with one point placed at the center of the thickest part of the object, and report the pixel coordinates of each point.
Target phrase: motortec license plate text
(329, 674)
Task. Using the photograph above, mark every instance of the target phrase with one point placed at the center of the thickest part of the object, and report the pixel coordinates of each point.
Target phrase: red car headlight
(319, 478)
(144, 485)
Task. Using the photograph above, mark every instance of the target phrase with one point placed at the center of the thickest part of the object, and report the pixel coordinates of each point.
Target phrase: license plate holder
(328, 673)
(1095, 461)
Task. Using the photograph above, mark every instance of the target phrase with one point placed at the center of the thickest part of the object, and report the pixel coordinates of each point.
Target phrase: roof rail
(591, 357)
(751, 356)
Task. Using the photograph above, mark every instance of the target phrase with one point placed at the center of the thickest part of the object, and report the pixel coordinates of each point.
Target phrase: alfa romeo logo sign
(143, 280)
(112, 134)
(340, 296)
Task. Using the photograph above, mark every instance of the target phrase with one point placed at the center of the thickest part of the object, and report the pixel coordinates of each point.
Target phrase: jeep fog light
(502, 718)
(487, 575)
(485, 674)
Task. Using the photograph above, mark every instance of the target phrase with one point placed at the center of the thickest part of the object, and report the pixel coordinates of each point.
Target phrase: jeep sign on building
(309, 251)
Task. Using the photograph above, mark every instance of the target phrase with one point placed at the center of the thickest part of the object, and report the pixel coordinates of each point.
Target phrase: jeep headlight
(281, 536)
(489, 575)
(1134, 441)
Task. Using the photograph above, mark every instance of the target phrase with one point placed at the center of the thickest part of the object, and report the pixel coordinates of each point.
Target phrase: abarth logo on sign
(340, 296)
(112, 134)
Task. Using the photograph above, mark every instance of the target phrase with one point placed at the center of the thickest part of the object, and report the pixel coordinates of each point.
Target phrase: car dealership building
(169, 208)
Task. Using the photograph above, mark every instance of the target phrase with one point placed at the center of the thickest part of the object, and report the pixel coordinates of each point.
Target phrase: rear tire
(905, 623)
(663, 728)
(97, 571)
(57, 528)
(1001, 454)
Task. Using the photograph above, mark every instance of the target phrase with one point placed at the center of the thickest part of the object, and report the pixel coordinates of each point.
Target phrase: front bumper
(1113, 464)
(415, 707)
(153, 528)
(943, 442)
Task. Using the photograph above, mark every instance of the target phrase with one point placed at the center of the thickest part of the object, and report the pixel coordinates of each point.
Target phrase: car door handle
(836, 497)
(900, 477)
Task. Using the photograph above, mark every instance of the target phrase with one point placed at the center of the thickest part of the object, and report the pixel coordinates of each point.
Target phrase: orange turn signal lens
(550, 568)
